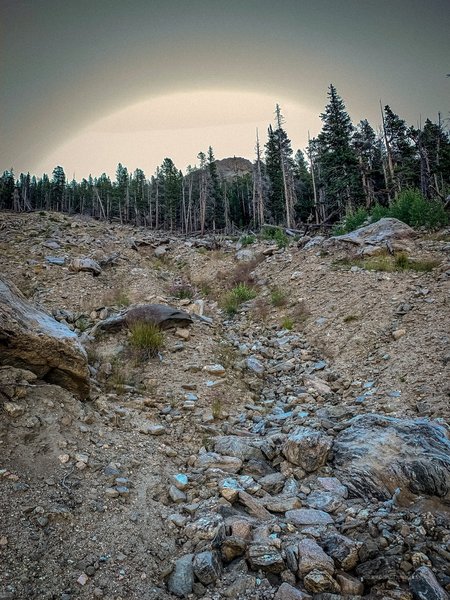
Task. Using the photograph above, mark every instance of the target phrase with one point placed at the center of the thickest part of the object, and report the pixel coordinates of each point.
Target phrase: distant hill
(234, 166)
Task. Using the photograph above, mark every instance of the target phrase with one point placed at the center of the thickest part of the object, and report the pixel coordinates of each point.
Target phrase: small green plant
(352, 220)
(146, 339)
(247, 240)
(287, 323)
(243, 292)
(278, 297)
(277, 235)
(235, 297)
(401, 261)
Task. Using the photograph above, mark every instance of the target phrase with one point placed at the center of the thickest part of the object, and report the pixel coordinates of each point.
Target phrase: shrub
(244, 292)
(278, 297)
(378, 212)
(352, 220)
(287, 323)
(235, 297)
(401, 261)
(247, 240)
(146, 338)
(413, 209)
(277, 235)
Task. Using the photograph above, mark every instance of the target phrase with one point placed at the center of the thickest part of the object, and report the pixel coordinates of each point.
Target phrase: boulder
(181, 579)
(386, 233)
(308, 516)
(33, 340)
(265, 557)
(85, 264)
(311, 556)
(166, 317)
(342, 550)
(307, 448)
(207, 567)
(239, 447)
(159, 314)
(378, 455)
(424, 586)
(320, 581)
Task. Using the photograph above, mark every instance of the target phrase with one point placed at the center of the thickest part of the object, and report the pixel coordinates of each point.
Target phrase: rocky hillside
(237, 166)
(285, 436)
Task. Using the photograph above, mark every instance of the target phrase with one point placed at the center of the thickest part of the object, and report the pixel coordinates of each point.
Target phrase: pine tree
(338, 162)
(303, 188)
(58, 188)
(401, 152)
(368, 150)
(7, 184)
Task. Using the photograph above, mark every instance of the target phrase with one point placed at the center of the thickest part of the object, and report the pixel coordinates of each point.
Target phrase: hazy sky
(88, 83)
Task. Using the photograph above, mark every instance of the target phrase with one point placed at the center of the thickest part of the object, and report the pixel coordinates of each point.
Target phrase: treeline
(343, 169)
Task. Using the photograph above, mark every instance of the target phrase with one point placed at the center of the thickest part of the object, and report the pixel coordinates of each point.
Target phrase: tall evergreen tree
(401, 152)
(58, 188)
(368, 150)
(338, 162)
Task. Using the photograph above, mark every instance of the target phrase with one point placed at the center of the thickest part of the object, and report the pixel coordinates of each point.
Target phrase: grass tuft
(278, 297)
(235, 297)
(287, 323)
(146, 339)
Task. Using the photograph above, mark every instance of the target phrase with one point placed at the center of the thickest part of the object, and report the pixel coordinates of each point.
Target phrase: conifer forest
(347, 169)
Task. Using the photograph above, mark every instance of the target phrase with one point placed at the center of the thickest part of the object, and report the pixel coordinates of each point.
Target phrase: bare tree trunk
(388, 152)
(313, 177)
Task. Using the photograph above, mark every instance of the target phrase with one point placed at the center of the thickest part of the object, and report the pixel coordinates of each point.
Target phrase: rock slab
(33, 340)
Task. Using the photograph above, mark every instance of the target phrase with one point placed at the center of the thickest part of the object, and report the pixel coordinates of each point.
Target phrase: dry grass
(388, 264)
(146, 339)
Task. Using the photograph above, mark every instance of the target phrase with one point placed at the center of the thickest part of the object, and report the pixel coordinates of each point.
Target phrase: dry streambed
(252, 462)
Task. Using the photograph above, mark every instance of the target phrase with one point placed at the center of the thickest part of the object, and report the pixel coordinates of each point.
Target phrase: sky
(89, 83)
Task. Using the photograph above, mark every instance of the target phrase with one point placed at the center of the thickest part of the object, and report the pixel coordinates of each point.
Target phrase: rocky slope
(248, 460)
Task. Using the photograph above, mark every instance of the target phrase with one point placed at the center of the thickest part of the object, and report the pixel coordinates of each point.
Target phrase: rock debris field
(291, 445)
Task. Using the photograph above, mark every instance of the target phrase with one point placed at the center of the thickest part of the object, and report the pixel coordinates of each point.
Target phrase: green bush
(146, 338)
(352, 221)
(287, 323)
(235, 297)
(379, 212)
(276, 235)
(247, 240)
(415, 210)
(410, 206)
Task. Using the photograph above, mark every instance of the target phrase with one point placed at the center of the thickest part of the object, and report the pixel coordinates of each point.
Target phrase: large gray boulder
(386, 233)
(33, 340)
(378, 455)
(307, 448)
